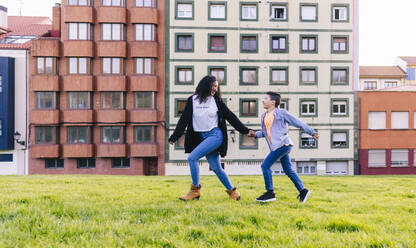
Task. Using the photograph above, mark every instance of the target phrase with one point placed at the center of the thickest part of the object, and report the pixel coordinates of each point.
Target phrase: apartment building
(96, 96)
(408, 64)
(381, 77)
(305, 50)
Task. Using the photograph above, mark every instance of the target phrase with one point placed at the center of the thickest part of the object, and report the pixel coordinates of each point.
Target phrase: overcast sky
(386, 26)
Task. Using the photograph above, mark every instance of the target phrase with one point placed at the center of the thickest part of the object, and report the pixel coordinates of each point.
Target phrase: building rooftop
(411, 60)
(23, 29)
(382, 71)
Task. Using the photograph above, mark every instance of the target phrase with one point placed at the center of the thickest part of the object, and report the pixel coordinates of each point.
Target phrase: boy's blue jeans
(281, 154)
(211, 140)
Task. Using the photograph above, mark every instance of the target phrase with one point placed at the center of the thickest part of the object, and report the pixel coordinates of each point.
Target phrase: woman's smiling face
(214, 88)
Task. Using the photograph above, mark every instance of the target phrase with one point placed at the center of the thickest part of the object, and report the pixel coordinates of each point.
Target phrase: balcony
(44, 82)
(78, 83)
(46, 47)
(78, 14)
(143, 150)
(44, 151)
(111, 150)
(144, 83)
(78, 48)
(148, 49)
(111, 83)
(115, 49)
(144, 15)
(111, 116)
(143, 115)
(107, 14)
(46, 117)
(77, 116)
(78, 150)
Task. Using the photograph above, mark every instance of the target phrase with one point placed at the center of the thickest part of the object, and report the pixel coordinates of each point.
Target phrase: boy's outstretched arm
(291, 120)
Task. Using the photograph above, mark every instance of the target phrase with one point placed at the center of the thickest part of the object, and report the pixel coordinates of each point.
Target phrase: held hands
(316, 136)
(251, 133)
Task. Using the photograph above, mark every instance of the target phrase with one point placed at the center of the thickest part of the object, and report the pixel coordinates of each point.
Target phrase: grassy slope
(104, 211)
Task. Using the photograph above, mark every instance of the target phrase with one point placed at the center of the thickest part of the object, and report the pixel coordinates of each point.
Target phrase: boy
(274, 127)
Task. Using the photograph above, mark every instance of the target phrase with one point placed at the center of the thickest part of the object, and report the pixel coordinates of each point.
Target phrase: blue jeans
(281, 154)
(211, 140)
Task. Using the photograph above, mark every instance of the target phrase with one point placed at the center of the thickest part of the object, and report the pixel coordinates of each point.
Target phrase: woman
(206, 135)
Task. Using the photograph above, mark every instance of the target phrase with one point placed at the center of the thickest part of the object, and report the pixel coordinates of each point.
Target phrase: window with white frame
(390, 84)
(306, 168)
(308, 108)
(308, 75)
(307, 141)
(399, 120)
(145, 100)
(399, 158)
(339, 139)
(279, 12)
(376, 120)
(145, 32)
(339, 108)
(279, 44)
(80, 31)
(376, 158)
(249, 76)
(339, 44)
(146, 3)
(112, 31)
(308, 13)
(113, 65)
(370, 85)
(284, 104)
(308, 44)
(279, 76)
(117, 3)
(185, 75)
(184, 10)
(218, 73)
(79, 2)
(145, 66)
(46, 65)
(336, 167)
(79, 65)
(217, 11)
(248, 43)
(249, 12)
(184, 43)
(339, 76)
(340, 13)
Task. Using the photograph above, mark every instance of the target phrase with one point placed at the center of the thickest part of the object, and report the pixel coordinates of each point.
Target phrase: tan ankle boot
(193, 194)
(234, 194)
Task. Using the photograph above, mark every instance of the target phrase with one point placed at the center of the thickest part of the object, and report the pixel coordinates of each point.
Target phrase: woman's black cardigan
(192, 138)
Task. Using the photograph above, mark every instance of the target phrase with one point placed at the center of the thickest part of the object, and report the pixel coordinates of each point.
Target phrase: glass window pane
(83, 100)
(139, 31)
(82, 134)
(73, 67)
(72, 135)
(73, 31)
(147, 31)
(106, 65)
(48, 135)
(116, 134)
(41, 66)
(48, 65)
(106, 31)
(39, 135)
(148, 66)
(116, 65)
(116, 100)
(106, 100)
(116, 31)
(82, 31)
(82, 65)
(106, 138)
(139, 66)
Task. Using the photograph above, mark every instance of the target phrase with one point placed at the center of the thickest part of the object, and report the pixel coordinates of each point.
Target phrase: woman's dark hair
(203, 90)
(274, 97)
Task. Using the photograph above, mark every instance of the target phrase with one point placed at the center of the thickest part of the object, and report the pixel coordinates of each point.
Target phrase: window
(376, 120)
(306, 168)
(85, 163)
(284, 104)
(390, 84)
(80, 31)
(339, 107)
(247, 142)
(46, 65)
(119, 3)
(184, 75)
(339, 44)
(308, 12)
(45, 135)
(185, 43)
(339, 76)
(308, 44)
(145, 134)
(339, 13)
(79, 66)
(336, 167)
(279, 75)
(248, 12)
(46, 100)
(79, 2)
(307, 141)
(279, 12)
(376, 158)
(217, 11)
(217, 43)
(146, 66)
(399, 158)
(146, 32)
(248, 107)
(112, 134)
(17, 39)
(180, 106)
(249, 43)
(113, 65)
(339, 139)
(411, 72)
(184, 10)
(248, 76)
(370, 85)
(278, 44)
(399, 120)
(145, 100)
(146, 3)
(308, 108)
(78, 135)
(54, 163)
(308, 75)
(79, 100)
(218, 73)
(112, 100)
(112, 31)
(120, 163)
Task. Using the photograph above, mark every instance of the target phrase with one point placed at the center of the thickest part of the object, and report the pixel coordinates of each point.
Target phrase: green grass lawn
(110, 211)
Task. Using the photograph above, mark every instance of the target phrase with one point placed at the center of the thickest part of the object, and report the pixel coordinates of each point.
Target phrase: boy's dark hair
(274, 97)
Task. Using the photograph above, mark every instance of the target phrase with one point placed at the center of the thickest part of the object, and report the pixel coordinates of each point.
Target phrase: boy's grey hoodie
(279, 129)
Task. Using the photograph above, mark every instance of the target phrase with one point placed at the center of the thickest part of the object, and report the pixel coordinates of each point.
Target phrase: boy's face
(267, 102)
